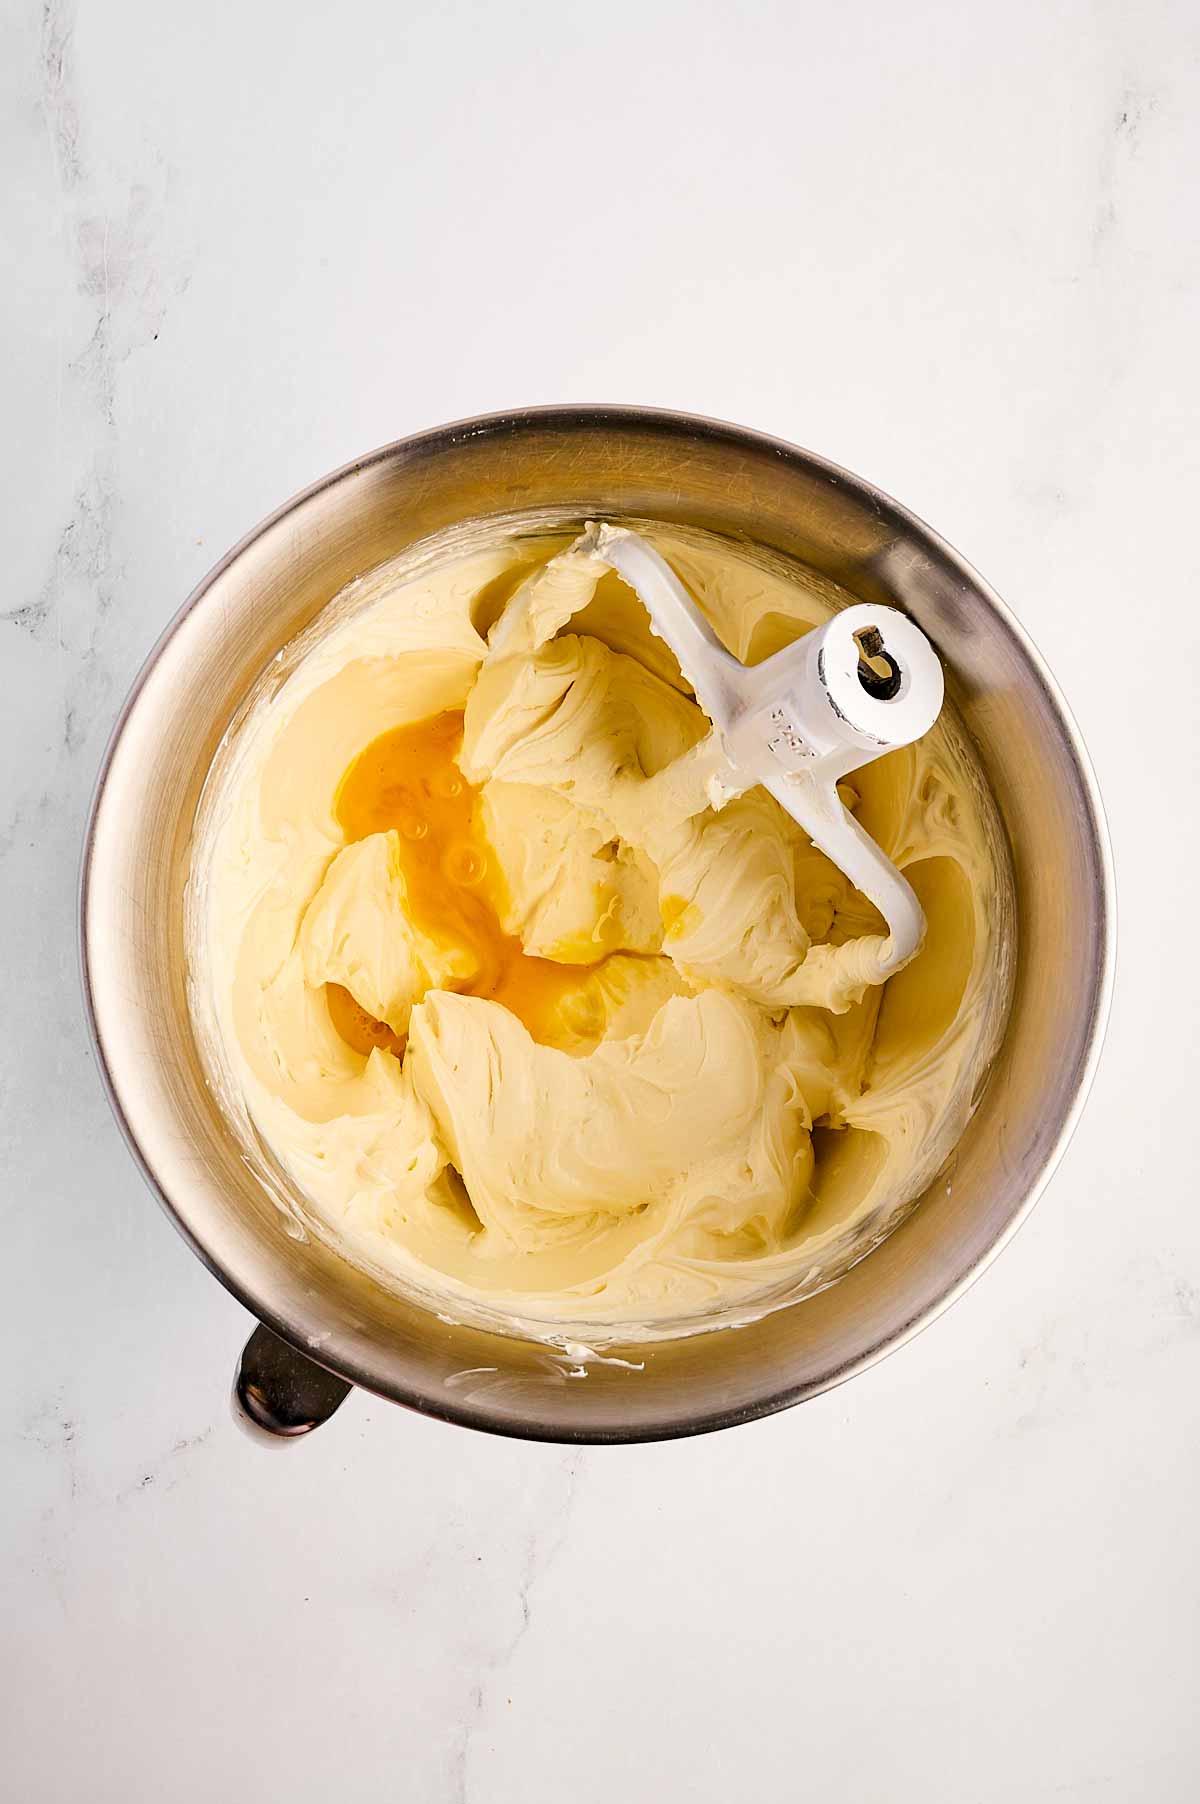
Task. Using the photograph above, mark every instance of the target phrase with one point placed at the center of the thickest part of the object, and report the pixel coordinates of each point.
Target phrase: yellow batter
(525, 1035)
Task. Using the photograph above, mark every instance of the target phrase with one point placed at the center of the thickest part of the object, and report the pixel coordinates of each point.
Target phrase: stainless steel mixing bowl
(609, 462)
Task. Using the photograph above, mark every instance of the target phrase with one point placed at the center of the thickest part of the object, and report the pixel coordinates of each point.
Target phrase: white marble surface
(951, 245)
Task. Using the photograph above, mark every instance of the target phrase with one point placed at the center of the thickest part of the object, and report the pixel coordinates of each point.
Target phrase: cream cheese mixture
(525, 1040)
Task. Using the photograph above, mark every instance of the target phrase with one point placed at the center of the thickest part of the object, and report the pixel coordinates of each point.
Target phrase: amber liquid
(357, 1028)
(408, 779)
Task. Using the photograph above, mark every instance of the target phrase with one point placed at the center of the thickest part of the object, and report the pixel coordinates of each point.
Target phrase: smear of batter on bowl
(525, 1042)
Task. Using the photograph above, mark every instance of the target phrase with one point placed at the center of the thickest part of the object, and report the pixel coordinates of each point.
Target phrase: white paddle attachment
(864, 683)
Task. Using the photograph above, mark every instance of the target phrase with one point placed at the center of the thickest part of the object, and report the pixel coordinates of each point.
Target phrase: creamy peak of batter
(528, 1035)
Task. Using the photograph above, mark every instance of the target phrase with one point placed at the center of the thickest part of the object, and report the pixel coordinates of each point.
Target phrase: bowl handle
(279, 1393)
